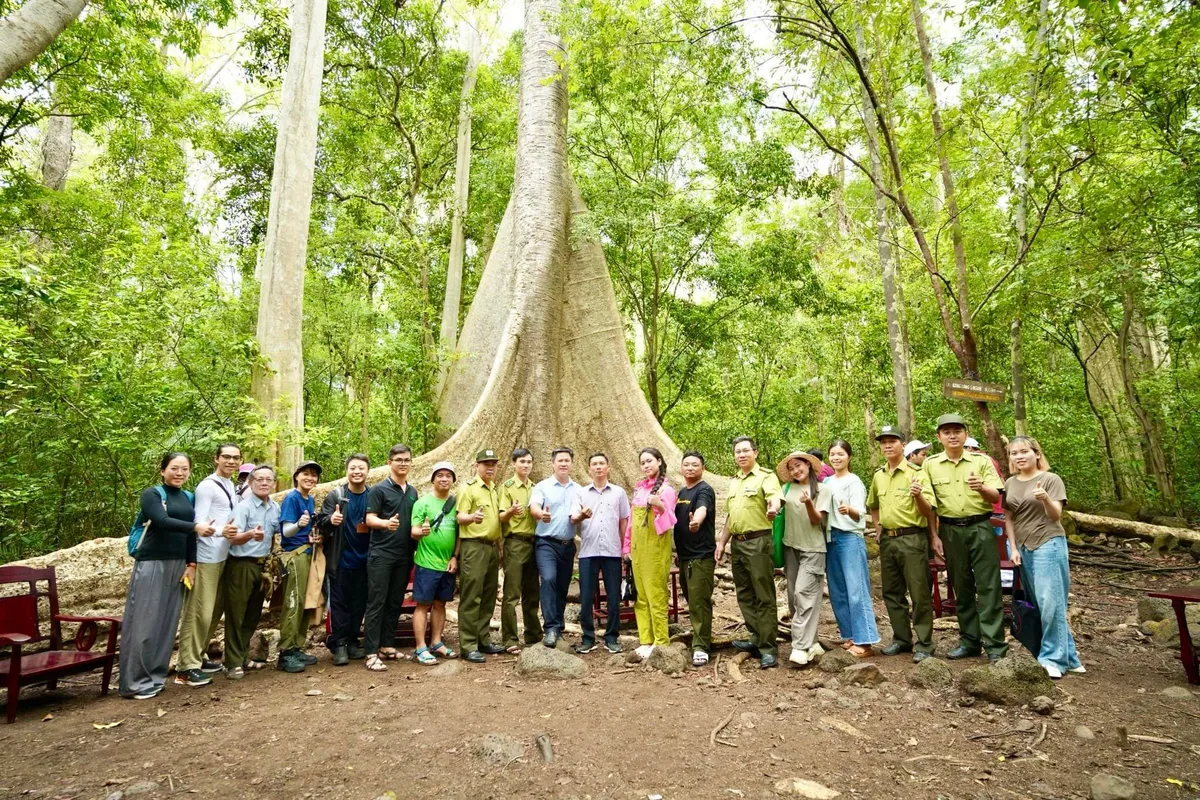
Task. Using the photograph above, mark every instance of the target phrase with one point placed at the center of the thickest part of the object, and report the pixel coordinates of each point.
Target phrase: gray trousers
(152, 607)
(805, 573)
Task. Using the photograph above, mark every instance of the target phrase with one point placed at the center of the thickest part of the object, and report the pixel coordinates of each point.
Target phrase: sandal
(442, 650)
(513, 650)
(390, 654)
(425, 657)
(254, 665)
(375, 663)
(699, 658)
(846, 645)
(860, 652)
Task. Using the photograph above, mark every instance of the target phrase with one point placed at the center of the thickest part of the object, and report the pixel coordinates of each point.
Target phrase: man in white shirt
(602, 512)
(216, 497)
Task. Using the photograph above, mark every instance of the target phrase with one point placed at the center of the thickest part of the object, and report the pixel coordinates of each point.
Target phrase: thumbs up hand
(915, 488)
(304, 520)
(477, 517)
(336, 516)
(230, 530)
(258, 533)
(1039, 491)
(974, 481)
(205, 528)
(394, 522)
(693, 524)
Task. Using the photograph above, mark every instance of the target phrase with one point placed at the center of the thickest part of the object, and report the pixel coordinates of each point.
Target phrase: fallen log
(1131, 529)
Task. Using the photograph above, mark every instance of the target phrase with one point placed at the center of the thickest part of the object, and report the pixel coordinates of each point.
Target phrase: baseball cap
(889, 430)
(486, 455)
(971, 442)
(246, 468)
(951, 419)
(914, 446)
(307, 465)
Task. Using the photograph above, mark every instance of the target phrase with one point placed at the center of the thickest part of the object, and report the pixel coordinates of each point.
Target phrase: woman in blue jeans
(1034, 498)
(846, 554)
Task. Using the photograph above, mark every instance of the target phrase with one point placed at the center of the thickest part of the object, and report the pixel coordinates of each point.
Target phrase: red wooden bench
(19, 627)
(944, 606)
(600, 604)
(405, 635)
(1187, 649)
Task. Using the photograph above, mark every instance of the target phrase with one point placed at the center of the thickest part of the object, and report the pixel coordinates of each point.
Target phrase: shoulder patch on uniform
(473, 481)
(510, 481)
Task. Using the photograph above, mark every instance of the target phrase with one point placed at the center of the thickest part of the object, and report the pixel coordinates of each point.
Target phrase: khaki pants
(478, 583)
(754, 580)
(243, 607)
(904, 574)
(805, 574)
(520, 585)
(974, 565)
(294, 619)
(698, 576)
(200, 616)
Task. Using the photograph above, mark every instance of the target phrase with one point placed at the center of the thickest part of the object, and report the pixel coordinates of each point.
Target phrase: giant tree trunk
(893, 297)
(1132, 334)
(542, 358)
(462, 184)
(278, 385)
(28, 31)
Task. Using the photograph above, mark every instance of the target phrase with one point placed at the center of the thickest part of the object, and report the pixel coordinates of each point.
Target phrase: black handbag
(1026, 624)
(628, 587)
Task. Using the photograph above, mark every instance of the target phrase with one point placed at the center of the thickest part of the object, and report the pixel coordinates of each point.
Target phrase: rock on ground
(835, 660)
(800, 787)
(447, 669)
(538, 661)
(141, 787)
(1014, 680)
(497, 748)
(672, 660)
(1111, 787)
(932, 673)
(865, 674)
(1177, 693)
(1084, 732)
(264, 644)
(1042, 705)
(92, 577)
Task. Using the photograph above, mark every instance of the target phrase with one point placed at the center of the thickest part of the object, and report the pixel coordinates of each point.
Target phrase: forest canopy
(812, 214)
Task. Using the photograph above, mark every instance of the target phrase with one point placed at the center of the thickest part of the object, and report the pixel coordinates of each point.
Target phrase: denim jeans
(850, 587)
(591, 569)
(1046, 574)
(555, 563)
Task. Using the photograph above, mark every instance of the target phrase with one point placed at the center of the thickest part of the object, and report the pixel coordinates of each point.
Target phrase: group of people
(808, 517)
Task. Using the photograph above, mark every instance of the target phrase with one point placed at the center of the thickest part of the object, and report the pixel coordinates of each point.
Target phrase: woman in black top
(165, 562)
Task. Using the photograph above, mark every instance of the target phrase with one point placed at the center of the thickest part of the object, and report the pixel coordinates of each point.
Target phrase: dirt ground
(626, 733)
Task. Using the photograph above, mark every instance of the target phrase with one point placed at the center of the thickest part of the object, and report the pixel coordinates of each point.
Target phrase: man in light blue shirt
(602, 510)
(257, 522)
(551, 505)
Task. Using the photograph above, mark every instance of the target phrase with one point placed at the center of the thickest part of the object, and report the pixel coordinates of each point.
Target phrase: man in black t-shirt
(390, 558)
(695, 546)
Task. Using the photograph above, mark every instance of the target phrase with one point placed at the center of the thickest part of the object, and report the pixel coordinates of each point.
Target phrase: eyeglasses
(403, 462)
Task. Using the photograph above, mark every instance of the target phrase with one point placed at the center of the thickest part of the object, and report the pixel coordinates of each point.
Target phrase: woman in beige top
(1034, 498)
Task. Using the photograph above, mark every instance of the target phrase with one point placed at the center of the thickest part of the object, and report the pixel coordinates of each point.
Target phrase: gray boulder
(1014, 680)
(447, 669)
(672, 660)
(933, 674)
(835, 660)
(538, 661)
(1111, 787)
(497, 748)
(865, 674)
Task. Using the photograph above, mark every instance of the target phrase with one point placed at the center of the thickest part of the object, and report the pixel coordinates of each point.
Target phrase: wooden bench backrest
(19, 611)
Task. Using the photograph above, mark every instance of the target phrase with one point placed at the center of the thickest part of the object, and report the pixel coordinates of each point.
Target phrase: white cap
(971, 442)
(914, 446)
(442, 465)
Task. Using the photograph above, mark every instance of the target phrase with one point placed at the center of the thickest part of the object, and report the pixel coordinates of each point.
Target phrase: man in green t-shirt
(435, 530)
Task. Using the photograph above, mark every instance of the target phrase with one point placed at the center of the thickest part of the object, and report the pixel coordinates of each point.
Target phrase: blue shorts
(430, 585)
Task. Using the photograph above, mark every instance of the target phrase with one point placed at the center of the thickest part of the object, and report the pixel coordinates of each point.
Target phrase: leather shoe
(963, 652)
(895, 649)
(357, 652)
(475, 657)
(994, 657)
(491, 649)
(551, 639)
(768, 661)
(920, 656)
(746, 646)
(341, 656)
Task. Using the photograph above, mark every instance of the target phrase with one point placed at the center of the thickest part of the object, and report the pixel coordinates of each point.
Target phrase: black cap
(307, 465)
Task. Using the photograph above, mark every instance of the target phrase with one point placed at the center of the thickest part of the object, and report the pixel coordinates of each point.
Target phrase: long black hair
(171, 456)
(662, 466)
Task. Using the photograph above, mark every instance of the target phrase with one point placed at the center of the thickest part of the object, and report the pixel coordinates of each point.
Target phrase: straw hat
(781, 469)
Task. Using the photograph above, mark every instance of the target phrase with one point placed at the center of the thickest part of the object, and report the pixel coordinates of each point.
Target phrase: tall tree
(278, 384)
(28, 31)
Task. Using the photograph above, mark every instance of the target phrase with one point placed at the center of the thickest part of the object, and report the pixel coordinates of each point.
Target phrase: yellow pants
(651, 554)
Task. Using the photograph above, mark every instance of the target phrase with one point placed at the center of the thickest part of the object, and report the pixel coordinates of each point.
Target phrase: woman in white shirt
(846, 556)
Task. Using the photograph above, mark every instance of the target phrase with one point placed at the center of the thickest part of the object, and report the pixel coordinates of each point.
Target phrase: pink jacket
(663, 520)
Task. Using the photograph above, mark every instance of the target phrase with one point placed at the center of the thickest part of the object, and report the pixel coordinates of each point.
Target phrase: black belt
(260, 560)
(962, 522)
(909, 531)
(748, 535)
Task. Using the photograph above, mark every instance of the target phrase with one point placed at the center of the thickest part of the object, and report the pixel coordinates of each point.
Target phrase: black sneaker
(211, 666)
(192, 677)
(895, 649)
(288, 662)
(341, 656)
(356, 652)
(304, 657)
(585, 647)
(612, 647)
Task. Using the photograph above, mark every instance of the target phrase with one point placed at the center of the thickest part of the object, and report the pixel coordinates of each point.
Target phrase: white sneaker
(699, 658)
(1052, 671)
(798, 657)
(1080, 669)
(815, 652)
(644, 651)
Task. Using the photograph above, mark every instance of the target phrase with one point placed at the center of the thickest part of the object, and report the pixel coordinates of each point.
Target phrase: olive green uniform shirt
(513, 491)
(889, 492)
(747, 501)
(955, 499)
(477, 495)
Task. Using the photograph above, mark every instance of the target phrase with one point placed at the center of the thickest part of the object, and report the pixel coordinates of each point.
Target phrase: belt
(747, 536)
(260, 560)
(520, 535)
(908, 531)
(479, 540)
(962, 522)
